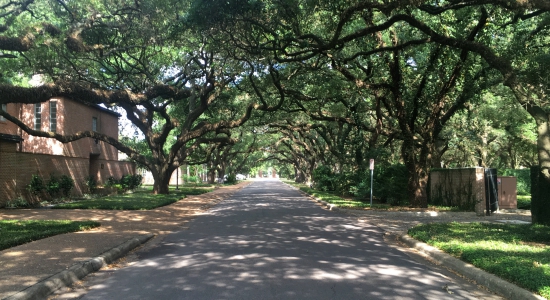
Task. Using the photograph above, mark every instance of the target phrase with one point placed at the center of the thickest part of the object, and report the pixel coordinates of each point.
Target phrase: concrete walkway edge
(43, 289)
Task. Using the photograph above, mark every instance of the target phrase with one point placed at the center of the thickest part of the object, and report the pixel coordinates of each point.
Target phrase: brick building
(22, 155)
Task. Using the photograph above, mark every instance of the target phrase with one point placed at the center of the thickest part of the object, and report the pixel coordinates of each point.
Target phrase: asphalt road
(269, 242)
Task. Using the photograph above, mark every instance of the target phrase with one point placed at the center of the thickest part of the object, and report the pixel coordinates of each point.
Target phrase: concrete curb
(43, 289)
(329, 206)
(490, 281)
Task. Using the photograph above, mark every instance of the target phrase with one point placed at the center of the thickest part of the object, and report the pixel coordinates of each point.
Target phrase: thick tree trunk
(162, 186)
(417, 186)
(212, 176)
(541, 179)
(418, 175)
(543, 145)
(161, 175)
(299, 176)
(162, 180)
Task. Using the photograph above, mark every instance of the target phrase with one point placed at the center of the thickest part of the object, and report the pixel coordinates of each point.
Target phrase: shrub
(137, 179)
(66, 183)
(91, 184)
(130, 182)
(53, 187)
(125, 182)
(231, 179)
(111, 181)
(323, 178)
(390, 184)
(36, 185)
(191, 179)
(345, 183)
(18, 202)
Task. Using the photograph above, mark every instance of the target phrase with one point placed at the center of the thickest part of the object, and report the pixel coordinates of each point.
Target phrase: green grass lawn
(14, 232)
(189, 190)
(517, 253)
(141, 200)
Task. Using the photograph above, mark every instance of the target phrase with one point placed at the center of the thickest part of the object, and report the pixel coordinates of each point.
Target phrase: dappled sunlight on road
(41, 259)
(276, 245)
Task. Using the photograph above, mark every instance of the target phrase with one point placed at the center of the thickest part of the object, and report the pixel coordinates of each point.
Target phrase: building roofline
(106, 110)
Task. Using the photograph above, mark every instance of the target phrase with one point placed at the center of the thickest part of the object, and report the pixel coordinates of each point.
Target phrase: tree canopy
(302, 84)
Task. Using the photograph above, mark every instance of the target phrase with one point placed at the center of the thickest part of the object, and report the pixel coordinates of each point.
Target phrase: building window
(4, 108)
(53, 116)
(37, 116)
(94, 124)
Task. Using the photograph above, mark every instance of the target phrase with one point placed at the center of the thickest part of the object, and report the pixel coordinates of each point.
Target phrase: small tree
(36, 187)
(66, 183)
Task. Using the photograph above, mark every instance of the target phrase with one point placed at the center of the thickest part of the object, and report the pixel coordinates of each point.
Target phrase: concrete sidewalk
(26, 265)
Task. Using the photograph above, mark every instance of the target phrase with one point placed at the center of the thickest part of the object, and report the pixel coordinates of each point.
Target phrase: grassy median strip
(517, 253)
(15, 232)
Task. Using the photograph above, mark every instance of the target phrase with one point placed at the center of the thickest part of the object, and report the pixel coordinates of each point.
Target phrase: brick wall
(8, 146)
(457, 187)
(72, 117)
(104, 169)
(16, 170)
(8, 127)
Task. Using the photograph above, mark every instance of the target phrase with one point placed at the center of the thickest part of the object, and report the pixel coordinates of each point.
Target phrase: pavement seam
(66, 278)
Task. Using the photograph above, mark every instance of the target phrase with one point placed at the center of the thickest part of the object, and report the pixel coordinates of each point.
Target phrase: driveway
(267, 241)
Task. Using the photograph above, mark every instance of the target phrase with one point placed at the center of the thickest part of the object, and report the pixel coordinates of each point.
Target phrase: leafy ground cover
(524, 202)
(351, 203)
(517, 253)
(141, 200)
(335, 199)
(15, 232)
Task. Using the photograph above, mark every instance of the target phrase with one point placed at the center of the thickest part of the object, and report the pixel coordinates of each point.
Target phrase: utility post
(371, 177)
